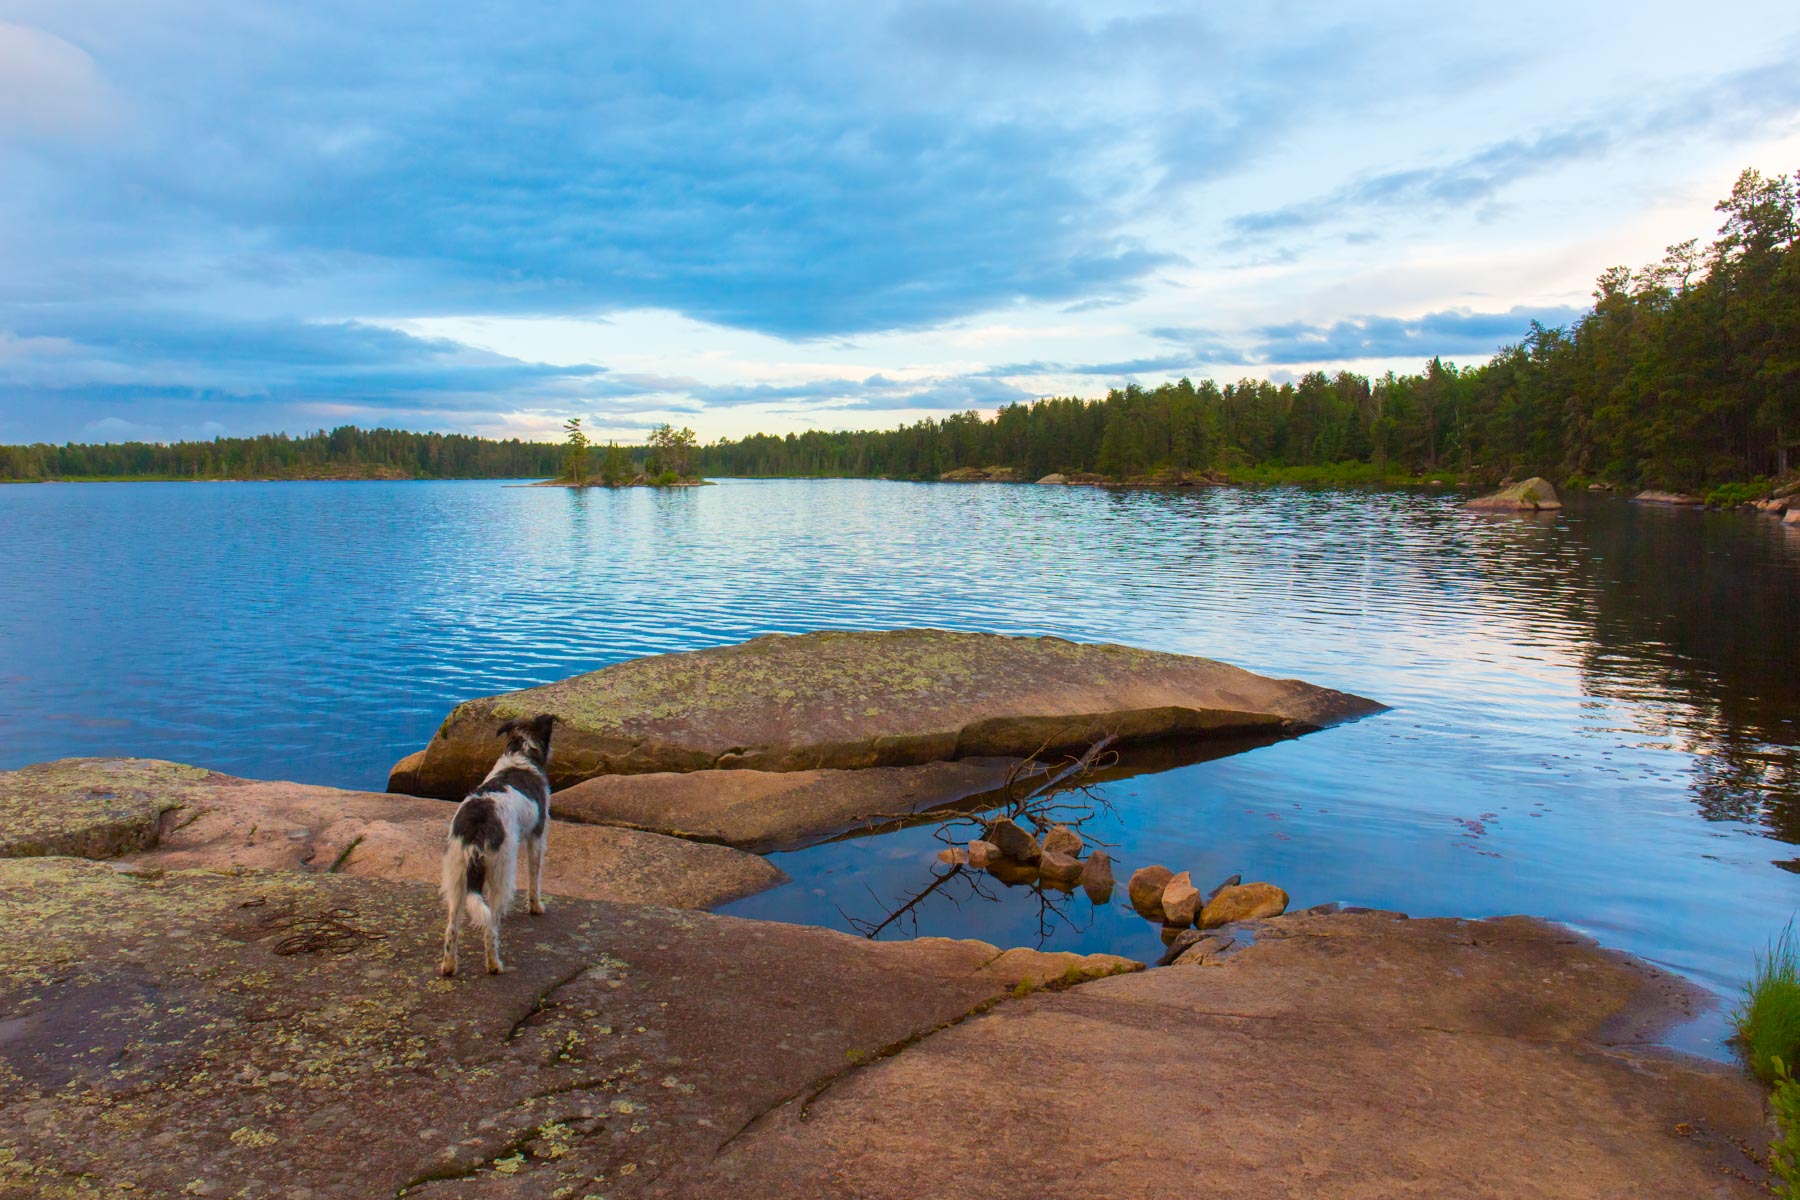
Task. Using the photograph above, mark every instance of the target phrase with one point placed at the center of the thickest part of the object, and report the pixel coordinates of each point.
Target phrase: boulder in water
(1245, 902)
(1097, 877)
(1013, 842)
(1533, 495)
(1180, 900)
(1064, 840)
(1146, 889)
(1059, 869)
(850, 700)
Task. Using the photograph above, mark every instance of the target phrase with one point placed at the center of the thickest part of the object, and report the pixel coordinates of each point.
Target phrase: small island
(668, 461)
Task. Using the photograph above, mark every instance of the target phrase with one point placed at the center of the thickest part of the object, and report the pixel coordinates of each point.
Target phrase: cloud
(49, 86)
(876, 392)
(1452, 331)
(118, 360)
(1726, 104)
(805, 170)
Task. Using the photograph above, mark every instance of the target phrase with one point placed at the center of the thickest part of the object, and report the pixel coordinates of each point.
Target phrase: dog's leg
(494, 965)
(452, 926)
(535, 853)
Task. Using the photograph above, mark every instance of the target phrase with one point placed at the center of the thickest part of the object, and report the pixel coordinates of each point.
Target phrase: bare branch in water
(1056, 796)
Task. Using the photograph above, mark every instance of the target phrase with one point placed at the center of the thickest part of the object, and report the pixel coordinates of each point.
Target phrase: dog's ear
(541, 727)
(508, 729)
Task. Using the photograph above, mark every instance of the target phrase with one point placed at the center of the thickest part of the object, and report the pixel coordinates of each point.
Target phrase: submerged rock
(1244, 902)
(1651, 496)
(1146, 890)
(852, 700)
(1533, 495)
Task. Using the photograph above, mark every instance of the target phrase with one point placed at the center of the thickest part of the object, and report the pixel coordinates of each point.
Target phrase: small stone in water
(1146, 887)
(1059, 869)
(1063, 840)
(1180, 900)
(1097, 877)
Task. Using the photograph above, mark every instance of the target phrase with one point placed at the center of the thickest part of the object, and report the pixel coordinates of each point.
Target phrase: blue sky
(238, 217)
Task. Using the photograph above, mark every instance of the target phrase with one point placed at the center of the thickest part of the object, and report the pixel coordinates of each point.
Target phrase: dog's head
(529, 737)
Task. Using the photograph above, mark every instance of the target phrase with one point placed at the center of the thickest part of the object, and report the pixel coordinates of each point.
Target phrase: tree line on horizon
(1683, 374)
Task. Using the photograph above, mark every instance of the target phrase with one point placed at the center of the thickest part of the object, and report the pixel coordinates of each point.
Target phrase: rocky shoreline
(212, 986)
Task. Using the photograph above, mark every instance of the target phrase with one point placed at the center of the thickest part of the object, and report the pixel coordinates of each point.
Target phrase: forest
(1683, 374)
(343, 453)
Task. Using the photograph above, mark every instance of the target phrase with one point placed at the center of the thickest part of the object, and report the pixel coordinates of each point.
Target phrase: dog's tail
(474, 882)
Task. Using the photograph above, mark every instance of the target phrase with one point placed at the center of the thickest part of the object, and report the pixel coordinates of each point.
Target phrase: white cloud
(49, 86)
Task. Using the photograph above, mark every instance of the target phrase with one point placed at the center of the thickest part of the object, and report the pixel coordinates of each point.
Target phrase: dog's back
(508, 811)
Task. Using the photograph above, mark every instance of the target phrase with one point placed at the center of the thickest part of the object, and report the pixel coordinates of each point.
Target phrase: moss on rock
(91, 807)
(850, 700)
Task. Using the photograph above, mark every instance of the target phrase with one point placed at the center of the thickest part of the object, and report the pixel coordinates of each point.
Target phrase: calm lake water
(1595, 715)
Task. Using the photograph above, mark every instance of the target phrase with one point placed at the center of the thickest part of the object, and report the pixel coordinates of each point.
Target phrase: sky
(236, 217)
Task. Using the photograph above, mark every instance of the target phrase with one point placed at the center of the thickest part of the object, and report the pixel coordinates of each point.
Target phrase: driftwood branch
(1044, 803)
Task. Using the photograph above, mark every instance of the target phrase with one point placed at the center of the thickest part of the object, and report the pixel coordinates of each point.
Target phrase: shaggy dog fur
(510, 810)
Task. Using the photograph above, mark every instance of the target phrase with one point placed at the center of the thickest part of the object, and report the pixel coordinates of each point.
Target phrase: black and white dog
(510, 810)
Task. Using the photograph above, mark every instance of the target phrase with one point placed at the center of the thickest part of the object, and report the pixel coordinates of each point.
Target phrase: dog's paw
(447, 968)
(537, 908)
(496, 968)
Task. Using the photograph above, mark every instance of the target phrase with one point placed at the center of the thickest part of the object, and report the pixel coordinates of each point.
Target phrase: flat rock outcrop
(1532, 495)
(157, 814)
(850, 700)
(269, 1033)
(92, 807)
(766, 811)
(1651, 496)
(1343, 1057)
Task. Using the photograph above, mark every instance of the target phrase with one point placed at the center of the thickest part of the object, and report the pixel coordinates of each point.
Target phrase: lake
(1595, 714)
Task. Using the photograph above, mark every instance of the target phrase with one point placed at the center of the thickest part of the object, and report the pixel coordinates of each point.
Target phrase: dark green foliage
(1768, 1020)
(1784, 1151)
(575, 451)
(615, 467)
(347, 453)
